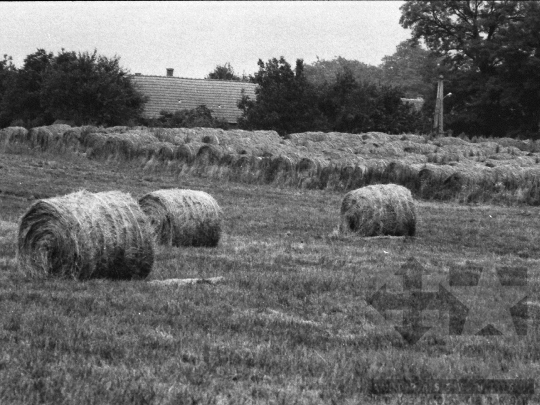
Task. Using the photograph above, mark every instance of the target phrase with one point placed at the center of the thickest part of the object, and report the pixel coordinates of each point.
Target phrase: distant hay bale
(211, 139)
(41, 137)
(188, 152)
(71, 139)
(85, 235)
(449, 140)
(512, 142)
(183, 217)
(13, 135)
(378, 210)
(209, 154)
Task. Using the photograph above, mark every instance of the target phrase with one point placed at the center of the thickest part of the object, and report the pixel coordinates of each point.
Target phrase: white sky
(195, 37)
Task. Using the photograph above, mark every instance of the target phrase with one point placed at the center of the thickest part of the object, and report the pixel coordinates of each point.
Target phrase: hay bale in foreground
(378, 210)
(85, 235)
(183, 217)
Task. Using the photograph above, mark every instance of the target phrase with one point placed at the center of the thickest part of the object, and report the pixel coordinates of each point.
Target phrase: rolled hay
(85, 235)
(376, 137)
(278, 167)
(449, 140)
(378, 210)
(402, 173)
(13, 135)
(183, 217)
(211, 139)
(209, 154)
(71, 139)
(42, 138)
(417, 147)
(512, 142)
(187, 152)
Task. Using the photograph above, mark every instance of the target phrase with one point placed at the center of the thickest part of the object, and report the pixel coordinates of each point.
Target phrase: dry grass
(378, 210)
(455, 168)
(85, 235)
(183, 217)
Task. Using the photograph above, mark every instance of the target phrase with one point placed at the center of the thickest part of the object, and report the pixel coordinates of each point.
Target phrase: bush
(200, 116)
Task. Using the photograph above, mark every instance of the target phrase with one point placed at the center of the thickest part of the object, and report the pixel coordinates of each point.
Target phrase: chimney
(170, 72)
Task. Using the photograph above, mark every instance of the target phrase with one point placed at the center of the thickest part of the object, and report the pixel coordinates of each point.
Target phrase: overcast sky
(195, 37)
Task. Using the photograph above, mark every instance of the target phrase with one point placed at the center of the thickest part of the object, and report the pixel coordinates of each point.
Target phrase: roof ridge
(191, 78)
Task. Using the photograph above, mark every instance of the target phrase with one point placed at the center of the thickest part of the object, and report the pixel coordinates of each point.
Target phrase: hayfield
(289, 322)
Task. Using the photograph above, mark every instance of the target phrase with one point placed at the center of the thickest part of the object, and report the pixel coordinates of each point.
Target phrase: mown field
(290, 322)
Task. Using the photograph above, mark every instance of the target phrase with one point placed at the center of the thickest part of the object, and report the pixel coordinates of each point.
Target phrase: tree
(225, 72)
(90, 88)
(7, 73)
(285, 101)
(200, 116)
(323, 71)
(489, 50)
(355, 107)
(22, 97)
(412, 68)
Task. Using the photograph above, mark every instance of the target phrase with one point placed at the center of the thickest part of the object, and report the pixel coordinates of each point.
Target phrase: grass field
(288, 325)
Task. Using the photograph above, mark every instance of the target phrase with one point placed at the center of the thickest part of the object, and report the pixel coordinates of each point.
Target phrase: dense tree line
(489, 54)
(81, 88)
(289, 101)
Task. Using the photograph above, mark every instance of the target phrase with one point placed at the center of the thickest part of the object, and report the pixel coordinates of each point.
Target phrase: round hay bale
(165, 151)
(516, 143)
(209, 155)
(13, 135)
(41, 137)
(278, 167)
(398, 172)
(85, 235)
(71, 139)
(211, 139)
(376, 210)
(183, 217)
(188, 151)
(450, 140)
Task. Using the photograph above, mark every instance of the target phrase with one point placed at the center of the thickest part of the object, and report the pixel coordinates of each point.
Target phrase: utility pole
(438, 118)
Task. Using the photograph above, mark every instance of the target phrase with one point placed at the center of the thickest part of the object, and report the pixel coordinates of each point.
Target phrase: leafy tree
(412, 68)
(489, 50)
(285, 100)
(90, 88)
(225, 72)
(200, 116)
(323, 71)
(22, 96)
(355, 107)
(7, 73)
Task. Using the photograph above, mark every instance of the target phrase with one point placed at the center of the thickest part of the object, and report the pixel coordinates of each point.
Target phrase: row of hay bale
(87, 235)
(442, 168)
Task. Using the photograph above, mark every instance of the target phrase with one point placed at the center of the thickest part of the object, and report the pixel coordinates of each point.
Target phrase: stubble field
(289, 323)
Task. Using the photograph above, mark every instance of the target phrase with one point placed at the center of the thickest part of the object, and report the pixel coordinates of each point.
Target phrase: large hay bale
(378, 210)
(85, 235)
(183, 217)
(13, 135)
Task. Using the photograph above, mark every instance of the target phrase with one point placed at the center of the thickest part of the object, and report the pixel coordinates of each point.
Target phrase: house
(176, 93)
(417, 103)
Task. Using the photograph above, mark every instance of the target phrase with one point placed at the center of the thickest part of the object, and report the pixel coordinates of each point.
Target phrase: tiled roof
(176, 93)
(417, 103)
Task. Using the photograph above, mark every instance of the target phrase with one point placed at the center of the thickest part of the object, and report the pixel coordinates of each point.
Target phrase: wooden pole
(438, 116)
(441, 129)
